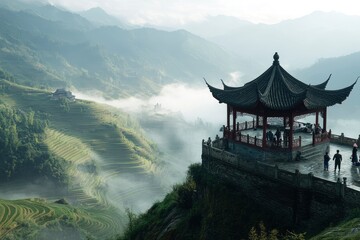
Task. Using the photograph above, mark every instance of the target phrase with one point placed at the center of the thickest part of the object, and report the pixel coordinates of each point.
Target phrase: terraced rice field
(101, 144)
(15, 214)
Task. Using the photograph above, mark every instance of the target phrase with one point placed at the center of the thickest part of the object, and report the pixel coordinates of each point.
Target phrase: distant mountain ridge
(299, 42)
(39, 48)
(19, 5)
(345, 70)
(215, 26)
(101, 18)
(51, 47)
(63, 17)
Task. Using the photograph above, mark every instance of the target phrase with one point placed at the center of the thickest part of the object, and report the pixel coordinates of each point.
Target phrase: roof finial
(276, 58)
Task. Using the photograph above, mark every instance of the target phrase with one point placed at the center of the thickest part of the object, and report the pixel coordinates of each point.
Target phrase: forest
(22, 152)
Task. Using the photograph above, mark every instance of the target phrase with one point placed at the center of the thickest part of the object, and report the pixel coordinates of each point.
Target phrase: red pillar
(234, 123)
(317, 119)
(228, 117)
(257, 121)
(324, 118)
(264, 131)
(291, 134)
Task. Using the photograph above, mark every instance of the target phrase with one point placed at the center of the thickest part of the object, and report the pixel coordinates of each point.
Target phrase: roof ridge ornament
(276, 59)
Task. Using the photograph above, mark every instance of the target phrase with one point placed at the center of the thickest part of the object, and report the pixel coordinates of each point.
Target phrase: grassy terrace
(99, 142)
(36, 214)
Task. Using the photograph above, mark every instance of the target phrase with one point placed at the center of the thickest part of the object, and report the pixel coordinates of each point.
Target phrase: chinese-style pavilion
(277, 94)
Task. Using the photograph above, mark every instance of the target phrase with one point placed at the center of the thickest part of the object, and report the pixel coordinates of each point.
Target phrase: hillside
(345, 71)
(104, 149)
(23, 156)
(204, 207)
(49, 47)
(39, 219)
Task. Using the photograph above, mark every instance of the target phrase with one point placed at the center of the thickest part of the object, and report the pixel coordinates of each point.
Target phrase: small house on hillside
(61, 93)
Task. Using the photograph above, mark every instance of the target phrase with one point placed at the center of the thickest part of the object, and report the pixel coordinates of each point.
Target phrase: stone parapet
(296, 198)
(342, 139)
(294, 179)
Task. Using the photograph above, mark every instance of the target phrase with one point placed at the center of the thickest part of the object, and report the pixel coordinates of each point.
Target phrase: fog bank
(177, 120)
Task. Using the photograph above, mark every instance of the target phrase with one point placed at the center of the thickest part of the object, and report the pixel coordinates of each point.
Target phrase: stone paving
(316, 166)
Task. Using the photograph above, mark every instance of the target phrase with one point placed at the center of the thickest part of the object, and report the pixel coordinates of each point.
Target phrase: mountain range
(99, 17)
(300, 42)
(49, 47)
(110, 163)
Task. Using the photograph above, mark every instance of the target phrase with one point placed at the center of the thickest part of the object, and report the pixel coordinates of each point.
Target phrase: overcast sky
(174, 12)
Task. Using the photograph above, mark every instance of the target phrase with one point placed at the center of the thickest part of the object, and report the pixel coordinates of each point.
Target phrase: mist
(188, 102)
(38, 188)
(177, 13)
(177, 119)
(61, 231)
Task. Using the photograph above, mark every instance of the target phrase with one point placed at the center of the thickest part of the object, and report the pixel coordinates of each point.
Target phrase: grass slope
(347, 229)
(99, 142)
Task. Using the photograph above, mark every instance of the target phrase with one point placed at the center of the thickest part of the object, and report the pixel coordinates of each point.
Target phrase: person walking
(326, 161)
(338, 158)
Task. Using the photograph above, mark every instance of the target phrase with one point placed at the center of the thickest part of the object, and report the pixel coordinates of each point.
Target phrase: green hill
(39, 219)
(48, 47)
(100, 145)
(204, 207)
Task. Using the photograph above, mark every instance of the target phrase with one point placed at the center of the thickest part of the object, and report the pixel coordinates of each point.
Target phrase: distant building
(61, 93)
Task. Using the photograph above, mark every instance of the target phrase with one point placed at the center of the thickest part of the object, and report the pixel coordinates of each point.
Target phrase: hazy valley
(82, 169)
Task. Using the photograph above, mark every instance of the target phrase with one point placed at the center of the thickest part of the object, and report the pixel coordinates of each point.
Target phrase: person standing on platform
(354, 157)
(278, 136)
(338, 158)
(326, 161)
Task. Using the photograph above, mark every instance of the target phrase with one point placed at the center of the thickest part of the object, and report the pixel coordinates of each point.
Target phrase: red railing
(238, 137)
(255, 141)
(229, 133)
(297, 142)
(321, 137)
(246, 125)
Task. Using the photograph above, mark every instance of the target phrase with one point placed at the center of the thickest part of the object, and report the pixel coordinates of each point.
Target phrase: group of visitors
(274, 139)
(310, 128)
(338, 159)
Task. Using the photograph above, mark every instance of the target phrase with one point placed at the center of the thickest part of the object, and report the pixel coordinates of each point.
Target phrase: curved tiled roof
(276, 89)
